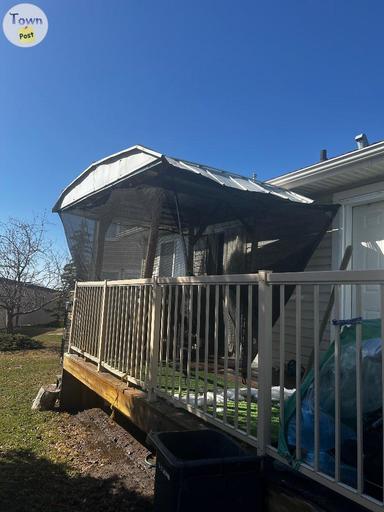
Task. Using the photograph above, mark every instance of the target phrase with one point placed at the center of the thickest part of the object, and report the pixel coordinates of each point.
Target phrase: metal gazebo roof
(139, 160)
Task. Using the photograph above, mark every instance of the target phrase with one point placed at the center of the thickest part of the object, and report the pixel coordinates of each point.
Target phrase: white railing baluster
(154, 341)
(103, 324)
(117, 361)
(190, 316)
(316, 373)
(182, 339)
(175, 337)
(206, 342)
(216, 350)
(125, 340)
(337, 386)
(197, 362)
(145, 335)
(359, 405)
(298, 372)
(265, 363)
(134, 329)
(382, 372)
(161, 334)
(149, 330)
(282, 352)
(71, 336)
(130, 325)
(237, 356)
(226, 292)
(168, 334)
(249, 357)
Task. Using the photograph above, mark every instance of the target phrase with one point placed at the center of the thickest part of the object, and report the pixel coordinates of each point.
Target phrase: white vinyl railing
(344, 465)
(193, 341)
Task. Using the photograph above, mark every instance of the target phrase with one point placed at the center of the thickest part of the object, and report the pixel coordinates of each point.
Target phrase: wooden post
(102, 227)
(154, 341)
(153, 233)
(103, 323)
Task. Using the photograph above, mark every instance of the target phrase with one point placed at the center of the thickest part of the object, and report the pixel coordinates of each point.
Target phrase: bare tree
(28, 266)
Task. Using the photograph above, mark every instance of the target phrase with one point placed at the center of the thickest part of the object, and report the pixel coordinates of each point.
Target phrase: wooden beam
(157, 198)
(130, 401)
(102, 228)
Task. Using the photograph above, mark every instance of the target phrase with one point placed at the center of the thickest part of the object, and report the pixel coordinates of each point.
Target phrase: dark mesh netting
(168, 224)
(172, 223)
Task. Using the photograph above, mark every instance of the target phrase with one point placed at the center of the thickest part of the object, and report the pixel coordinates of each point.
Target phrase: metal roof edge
(93, 166)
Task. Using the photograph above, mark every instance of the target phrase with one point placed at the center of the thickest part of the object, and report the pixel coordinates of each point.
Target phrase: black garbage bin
(204, 470)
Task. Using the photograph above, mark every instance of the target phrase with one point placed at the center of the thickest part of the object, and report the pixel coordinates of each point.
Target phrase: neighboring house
(355, 180)
(33, 295)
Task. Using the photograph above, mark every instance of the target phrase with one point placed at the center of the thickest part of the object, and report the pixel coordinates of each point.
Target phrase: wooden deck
(84, 387)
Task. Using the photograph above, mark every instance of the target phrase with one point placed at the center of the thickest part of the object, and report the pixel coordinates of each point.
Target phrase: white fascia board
(326, 168)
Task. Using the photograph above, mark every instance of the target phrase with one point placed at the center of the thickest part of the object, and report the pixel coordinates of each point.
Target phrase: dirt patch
(97, 447)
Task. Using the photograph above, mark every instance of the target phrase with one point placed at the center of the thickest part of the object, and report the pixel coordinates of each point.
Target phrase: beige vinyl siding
(123, 257)
(43, 316)
(321, 260)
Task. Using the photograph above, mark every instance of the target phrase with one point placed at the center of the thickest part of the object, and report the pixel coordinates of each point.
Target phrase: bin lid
(198, 447)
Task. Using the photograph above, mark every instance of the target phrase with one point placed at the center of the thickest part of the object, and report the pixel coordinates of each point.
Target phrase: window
(112, 232)
(167, 259)
(110, 276)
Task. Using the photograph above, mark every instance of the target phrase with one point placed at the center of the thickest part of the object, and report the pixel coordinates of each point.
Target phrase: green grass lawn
(21, 375)
(38, 472)
(28, 455)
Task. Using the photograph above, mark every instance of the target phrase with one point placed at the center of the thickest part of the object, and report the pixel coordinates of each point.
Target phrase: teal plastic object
(372, 402)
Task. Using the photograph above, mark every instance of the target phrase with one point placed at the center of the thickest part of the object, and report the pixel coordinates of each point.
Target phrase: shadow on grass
(34, 330)
(13, 342)
(36, 484)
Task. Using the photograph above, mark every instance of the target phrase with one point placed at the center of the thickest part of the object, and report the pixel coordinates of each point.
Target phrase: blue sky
(248, 86)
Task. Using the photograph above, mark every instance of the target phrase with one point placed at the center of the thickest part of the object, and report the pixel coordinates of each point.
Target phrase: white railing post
(265, 363)
(103, 323)
(154, 346)
(70, 338)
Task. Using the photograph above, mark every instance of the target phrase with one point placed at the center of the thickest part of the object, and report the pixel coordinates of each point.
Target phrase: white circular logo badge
(25, 25)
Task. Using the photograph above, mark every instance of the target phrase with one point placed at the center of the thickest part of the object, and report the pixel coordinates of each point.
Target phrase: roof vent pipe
(323, 155)
(362, 141)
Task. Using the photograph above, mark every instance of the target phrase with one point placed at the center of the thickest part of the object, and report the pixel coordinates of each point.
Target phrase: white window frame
(116, 236)
(348, 199)
(168, 240)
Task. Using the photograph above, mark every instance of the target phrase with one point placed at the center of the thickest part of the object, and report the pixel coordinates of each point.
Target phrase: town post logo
(25, 25)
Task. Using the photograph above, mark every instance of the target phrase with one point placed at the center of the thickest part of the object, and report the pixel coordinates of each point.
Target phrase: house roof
(10, 282)
(137, 159)
(351, 169)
